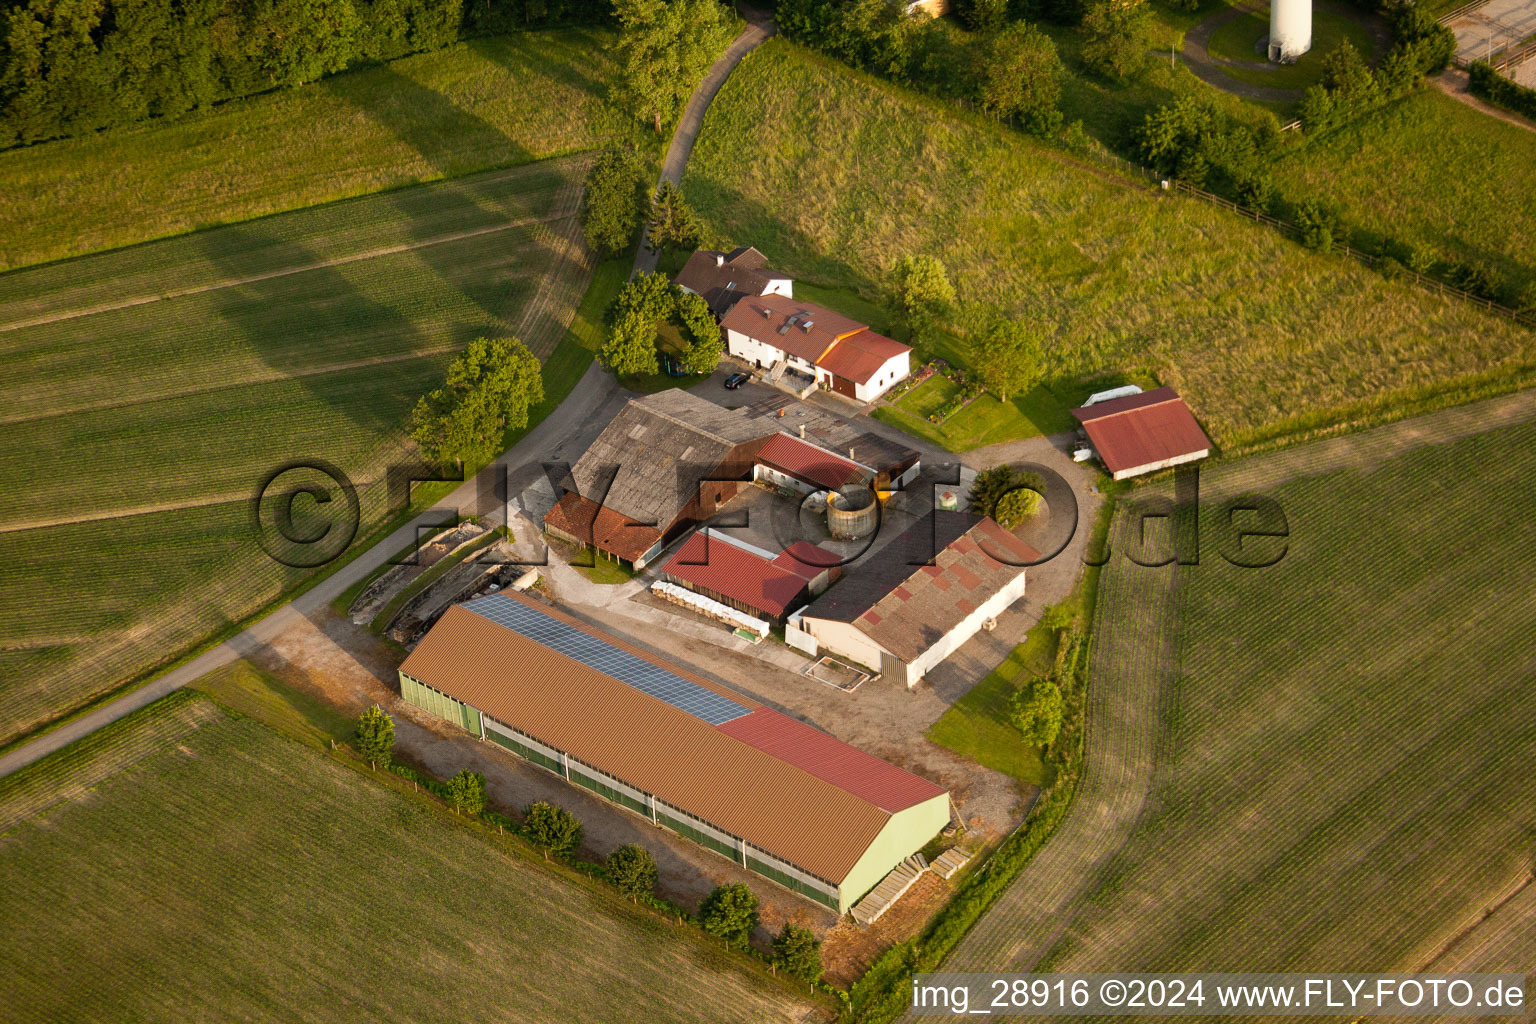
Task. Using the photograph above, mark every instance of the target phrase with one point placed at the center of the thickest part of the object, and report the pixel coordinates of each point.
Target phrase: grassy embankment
(1263, 337)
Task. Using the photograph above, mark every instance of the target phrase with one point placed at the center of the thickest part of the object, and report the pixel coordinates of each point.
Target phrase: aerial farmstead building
(723, 278)
(1144, 432)
(750, 579)
(776, 796)
(668, 461)
(820, 345)
(916, 601)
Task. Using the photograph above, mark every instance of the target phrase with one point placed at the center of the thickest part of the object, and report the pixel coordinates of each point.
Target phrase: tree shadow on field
(731, 218)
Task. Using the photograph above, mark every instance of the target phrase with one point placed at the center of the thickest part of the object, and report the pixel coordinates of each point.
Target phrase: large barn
(776, 796)
(908, 606)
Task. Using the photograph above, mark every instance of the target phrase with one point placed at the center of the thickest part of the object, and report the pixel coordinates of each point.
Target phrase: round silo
(1290, 29)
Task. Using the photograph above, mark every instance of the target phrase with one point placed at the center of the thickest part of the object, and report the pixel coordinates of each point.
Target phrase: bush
(729, 912)
(1478, 278)
(1320, 225)
(1495, 88)
(632, 870)
(797, 953)
(553, 828)
(1015, 507)
(1037, 709)
(466, 792)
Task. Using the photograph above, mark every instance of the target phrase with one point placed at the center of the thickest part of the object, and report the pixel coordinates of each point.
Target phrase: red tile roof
(601, 526)
(831, 760)
(801, 458)
(1141, 430)
(807, 560)
(813, 332)
(859, 357)
(724, 568)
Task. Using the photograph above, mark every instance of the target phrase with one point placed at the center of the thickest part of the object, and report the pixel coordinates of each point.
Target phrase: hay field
(1330, 759)
(835, 175)
(151, 390)
(228, 873)
(486, 103)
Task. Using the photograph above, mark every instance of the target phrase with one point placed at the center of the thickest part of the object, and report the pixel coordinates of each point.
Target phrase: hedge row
(68, 67)
(1495, 88)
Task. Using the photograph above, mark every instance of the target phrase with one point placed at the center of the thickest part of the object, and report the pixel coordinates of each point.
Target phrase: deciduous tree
(797, 952)
(466, 791)
(553, 828)
(729, 912)
(491, 386)
(1010, 358)
(614, 201)
(1036, 709)
(376, 736)
(1020, 76)
(632, 870)
(664, 48)
(921, 294)
(1118, 33)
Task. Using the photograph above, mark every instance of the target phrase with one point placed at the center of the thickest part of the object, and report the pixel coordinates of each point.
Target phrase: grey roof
(656, 451)
(834, 433)
(725, 278)
(907, 595)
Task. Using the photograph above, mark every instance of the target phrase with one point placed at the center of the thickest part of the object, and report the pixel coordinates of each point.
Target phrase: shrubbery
(1196, 142)
(1350, 88)
(1495, 88)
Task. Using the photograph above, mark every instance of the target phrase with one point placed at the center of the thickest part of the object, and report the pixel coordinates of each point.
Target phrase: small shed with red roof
(1142, 433)
(748, 578)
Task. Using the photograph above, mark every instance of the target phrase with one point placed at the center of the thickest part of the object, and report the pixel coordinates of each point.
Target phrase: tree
(1013, 508)
(705, 346)
(466, 791)
(491, 386)
(1020, 76)
(1320, 225)
(921, 293)
(672, 222)
(729, 912)
(614, 201)
(553, 828)
(1036, 710)
(632, 870)
(664, 48)
(649, 296)
(1009, 357)
(1118, 34)
(982, 15)
(376, 736)
(797, 952)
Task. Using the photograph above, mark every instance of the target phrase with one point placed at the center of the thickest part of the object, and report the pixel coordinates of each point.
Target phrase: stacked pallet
(950, 861)
(891, 888)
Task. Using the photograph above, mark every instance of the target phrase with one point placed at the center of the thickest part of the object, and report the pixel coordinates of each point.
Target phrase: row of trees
(1349, 87)
(643, 307)
(73, 66)
(729, 912)
(616, 202)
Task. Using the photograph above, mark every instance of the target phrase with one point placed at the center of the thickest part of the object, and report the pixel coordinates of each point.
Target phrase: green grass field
(486, 103)
(977, 725)
(1427, 170)
(834, 175)
(1340, 748)
(225, 872)
(307, 334)
(1237, 40)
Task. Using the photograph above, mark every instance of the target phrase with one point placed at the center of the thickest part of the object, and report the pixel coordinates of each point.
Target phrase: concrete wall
(846, 640)
(906, 833)
(1153, 467)
(952, 641)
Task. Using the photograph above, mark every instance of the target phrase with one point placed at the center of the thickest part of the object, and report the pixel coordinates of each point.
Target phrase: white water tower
(1290, 29)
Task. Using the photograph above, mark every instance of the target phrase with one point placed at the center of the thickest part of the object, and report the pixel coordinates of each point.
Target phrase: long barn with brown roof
(778, 797)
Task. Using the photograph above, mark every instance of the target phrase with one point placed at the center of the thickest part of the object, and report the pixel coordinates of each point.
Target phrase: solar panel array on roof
(621, 665)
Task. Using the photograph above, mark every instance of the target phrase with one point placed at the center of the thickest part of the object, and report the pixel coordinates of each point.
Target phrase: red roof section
(831, 760)
(859, 357)
(803, 459)
(1139, 430)
(601, 526)
(807, 560)
(724, 568)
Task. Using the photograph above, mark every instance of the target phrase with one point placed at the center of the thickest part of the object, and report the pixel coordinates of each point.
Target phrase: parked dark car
(736, 380)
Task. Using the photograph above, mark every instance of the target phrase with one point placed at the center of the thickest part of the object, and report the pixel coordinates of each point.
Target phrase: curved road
(759, 27)
(577, 418)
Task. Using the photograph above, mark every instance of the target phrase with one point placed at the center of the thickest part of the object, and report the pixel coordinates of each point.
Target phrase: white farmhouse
(837, 353)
